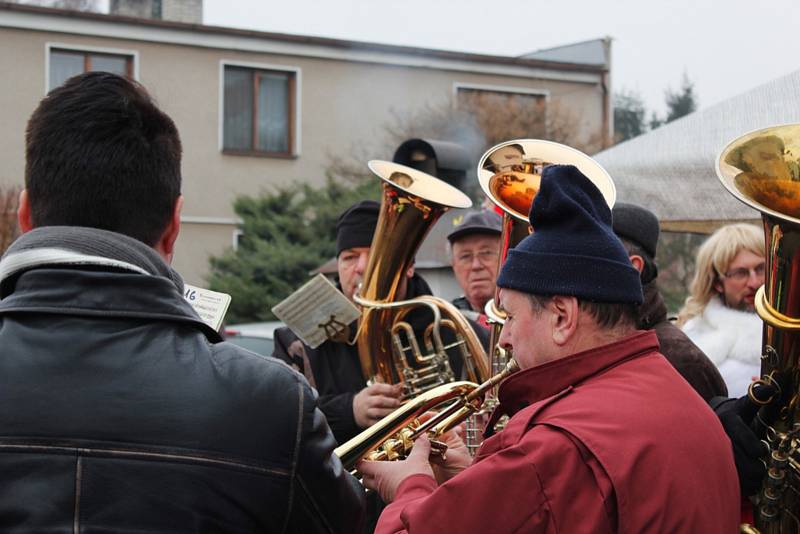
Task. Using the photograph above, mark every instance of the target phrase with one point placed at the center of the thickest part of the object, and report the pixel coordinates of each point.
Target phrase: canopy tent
(670, 170)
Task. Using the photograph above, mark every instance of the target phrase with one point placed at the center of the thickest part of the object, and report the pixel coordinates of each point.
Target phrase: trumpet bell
(762, 169)
(510, 173)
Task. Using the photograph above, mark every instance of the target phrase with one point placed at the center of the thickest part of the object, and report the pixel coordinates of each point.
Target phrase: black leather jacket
(118, 414)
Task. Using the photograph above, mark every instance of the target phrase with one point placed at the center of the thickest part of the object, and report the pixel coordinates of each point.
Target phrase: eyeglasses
(742, 274)
(484, 257)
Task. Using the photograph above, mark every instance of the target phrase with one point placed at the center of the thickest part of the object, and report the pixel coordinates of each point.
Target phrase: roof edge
(307, 39)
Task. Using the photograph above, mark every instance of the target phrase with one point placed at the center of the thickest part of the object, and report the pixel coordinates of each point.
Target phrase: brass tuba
(388, 349)
(762, 169)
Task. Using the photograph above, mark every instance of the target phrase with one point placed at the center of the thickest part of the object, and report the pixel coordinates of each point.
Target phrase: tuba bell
(388, 349)
(762, 169)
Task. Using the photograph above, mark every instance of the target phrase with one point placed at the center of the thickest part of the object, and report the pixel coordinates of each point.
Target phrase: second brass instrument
(389, 352)
(762, 169)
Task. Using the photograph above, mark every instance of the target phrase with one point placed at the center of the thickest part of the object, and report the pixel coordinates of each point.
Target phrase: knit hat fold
(573, 250)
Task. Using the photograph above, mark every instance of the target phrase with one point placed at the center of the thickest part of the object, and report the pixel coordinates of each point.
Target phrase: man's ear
(166, 243)
(24, 212)
(410, 270)
(637, 262)
(718, 287)
(564, 318)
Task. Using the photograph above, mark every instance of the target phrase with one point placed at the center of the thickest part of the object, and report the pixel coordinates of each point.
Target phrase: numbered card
(211, 306)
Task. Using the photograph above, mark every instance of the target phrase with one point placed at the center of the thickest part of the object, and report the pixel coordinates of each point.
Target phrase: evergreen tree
(629, 115)
(681, 102)
(286, 234)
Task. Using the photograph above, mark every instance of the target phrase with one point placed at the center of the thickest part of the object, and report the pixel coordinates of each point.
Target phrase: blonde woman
(719, 314)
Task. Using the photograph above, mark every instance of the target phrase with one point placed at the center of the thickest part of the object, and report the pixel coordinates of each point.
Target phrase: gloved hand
(736, 416)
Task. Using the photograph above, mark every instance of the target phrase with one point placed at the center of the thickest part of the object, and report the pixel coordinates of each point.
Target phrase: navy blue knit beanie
(573, 250)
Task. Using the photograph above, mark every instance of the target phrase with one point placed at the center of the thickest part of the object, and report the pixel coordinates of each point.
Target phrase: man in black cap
(638, 230)
(474, 247)
(334, 368)
(603, 436)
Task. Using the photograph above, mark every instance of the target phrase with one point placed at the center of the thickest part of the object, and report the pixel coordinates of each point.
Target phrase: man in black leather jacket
(119, 409)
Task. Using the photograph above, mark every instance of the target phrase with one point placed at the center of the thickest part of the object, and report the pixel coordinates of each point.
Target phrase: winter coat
(607, 440)
(678, 349)
(120, 412)
(732, 340)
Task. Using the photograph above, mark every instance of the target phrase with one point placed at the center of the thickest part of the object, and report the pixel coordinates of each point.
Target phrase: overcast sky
(725, 47)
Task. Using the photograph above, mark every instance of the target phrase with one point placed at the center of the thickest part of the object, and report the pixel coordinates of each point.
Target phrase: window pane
(238, 104)
(113, 64)
(524, 114)
(273, 112)
(63, 66)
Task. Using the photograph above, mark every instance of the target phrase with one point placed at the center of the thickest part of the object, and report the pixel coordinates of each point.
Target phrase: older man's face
(475, 267)
(351, 265)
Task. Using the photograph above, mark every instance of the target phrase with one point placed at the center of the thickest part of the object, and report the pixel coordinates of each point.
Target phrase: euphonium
(762, 169)
(388, 349)
(510, 175)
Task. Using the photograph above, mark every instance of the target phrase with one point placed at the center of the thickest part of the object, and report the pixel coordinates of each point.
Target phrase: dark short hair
(607, 315)
(99, 153)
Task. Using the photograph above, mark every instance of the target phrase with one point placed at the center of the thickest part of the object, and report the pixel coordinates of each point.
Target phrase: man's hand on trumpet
(456, 459)
(385, 477)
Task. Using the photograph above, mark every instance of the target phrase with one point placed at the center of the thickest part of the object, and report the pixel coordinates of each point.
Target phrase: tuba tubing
(412, 203)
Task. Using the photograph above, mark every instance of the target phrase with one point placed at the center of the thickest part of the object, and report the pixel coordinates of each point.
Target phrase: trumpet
(454, 402)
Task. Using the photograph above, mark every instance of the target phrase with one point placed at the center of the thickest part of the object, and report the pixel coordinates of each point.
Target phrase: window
(64, 64)
(259, 110)
(518, 111)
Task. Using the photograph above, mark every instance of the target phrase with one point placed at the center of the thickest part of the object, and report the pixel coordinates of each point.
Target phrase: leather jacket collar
(98, 292)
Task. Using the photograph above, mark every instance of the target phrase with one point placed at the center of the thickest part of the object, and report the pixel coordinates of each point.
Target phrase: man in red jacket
(604, 436)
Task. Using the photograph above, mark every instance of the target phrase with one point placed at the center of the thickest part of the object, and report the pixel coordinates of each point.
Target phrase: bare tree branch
(8, 220)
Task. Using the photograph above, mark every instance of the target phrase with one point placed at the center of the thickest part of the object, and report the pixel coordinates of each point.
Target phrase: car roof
(264, 329)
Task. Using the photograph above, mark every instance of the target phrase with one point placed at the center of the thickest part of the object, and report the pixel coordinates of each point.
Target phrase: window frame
(132, 55)
(294, 92)
(510, 89)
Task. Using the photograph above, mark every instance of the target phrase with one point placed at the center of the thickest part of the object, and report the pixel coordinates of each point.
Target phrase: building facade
(258, 110)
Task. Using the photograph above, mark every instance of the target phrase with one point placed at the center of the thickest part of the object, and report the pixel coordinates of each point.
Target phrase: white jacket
(732, 340)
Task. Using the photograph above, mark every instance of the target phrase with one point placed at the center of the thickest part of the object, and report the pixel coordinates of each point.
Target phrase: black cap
(477, 222)
(636, 224)
(356, 225)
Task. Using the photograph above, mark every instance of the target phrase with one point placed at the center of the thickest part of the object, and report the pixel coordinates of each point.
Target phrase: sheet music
(316, 311)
